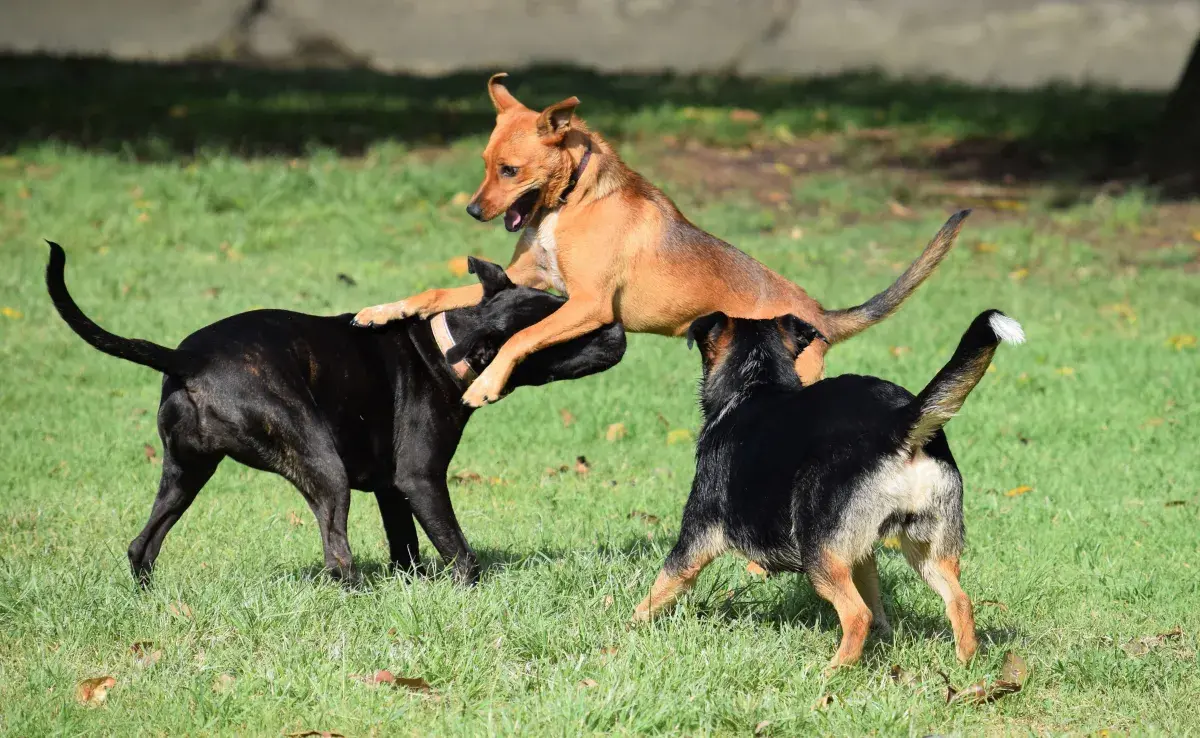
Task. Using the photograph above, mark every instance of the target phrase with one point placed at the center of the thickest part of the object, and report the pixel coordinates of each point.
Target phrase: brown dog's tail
(842, 324)
(168, 361)
(946, 393)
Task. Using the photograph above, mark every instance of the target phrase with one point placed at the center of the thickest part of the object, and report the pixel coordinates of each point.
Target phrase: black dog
(331, 407)
(809, 478)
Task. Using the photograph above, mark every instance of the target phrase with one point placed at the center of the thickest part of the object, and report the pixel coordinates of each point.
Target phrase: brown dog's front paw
(381, 314)
(487, 388)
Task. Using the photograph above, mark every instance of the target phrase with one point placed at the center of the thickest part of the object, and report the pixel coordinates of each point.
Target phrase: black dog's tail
(165, 360)
(943, 397)
(842, 324)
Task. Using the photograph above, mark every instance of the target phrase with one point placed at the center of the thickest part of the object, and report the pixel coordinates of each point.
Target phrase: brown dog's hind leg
(866, 579)
(833, 579)
(941, 574)
(685, 562)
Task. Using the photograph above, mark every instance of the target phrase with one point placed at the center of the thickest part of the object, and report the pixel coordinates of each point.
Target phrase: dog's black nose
(475, 211)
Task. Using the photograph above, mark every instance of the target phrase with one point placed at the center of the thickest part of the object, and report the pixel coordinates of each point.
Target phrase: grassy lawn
(1082, 504)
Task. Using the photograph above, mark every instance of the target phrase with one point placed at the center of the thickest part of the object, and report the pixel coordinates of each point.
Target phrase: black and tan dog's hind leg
(866, 579)
(833, 579)
(692, 552)
(941, 573)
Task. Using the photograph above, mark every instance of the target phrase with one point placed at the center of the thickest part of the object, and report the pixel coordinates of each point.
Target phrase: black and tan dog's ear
(706, 329)
(798, 334)
(502, 99)
(555, 121)
(492, 276)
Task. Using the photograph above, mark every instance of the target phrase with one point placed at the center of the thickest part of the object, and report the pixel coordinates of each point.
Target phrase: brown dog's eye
(507, 171)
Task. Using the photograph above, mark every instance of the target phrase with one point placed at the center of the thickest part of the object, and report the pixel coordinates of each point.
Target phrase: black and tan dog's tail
(943, 397)
(842, 324)
(165, 360)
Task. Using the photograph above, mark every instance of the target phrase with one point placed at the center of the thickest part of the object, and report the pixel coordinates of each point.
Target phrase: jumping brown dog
(621, 251)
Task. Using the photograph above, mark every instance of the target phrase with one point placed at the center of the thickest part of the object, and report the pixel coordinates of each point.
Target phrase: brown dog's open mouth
(518, 213)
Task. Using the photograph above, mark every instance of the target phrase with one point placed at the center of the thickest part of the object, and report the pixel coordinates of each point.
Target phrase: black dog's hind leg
(401, 530)
(182, 479)
(695, 549)
(318, 473)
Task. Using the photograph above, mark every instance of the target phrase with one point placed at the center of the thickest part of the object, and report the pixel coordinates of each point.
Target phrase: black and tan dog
(815, 497)
(332, 408)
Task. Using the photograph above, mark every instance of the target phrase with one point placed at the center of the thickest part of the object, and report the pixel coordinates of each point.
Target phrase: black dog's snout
(475, 211)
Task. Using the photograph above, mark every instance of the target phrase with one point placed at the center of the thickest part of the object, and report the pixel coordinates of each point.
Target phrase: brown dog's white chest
(544, 246)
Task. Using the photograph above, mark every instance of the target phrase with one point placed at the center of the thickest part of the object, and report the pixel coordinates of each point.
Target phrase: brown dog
(621, 251)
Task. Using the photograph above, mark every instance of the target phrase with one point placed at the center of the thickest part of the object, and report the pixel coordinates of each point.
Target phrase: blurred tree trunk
(1174, 154)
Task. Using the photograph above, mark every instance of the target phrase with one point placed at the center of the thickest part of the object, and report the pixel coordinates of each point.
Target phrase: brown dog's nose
(475, 211)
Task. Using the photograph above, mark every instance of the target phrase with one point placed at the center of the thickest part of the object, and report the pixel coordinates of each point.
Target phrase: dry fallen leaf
(178, 111)
(461, 199)
(94, 691)
(320, 733)
(993, 603)
(1018, 274)
(761, 728)
(825, 701)
(1013, 674)
(150, 452)
(1175, 503)
(984, 247)
(383, 676)
(615, 432)
(899, 351)
(608, 601)
(1121, 309)
(679, 435)
(1182, 341)
(754, 570)
(741, 115)
(295, 520)
(581, 465)
(645, 516)
(145, 654)
(212, 292)
(589, 683)
(1018, 491)
(223, 684)
(796, 233)
(567, 418)
(1144, 645)
(180, 609)
(467, 477)
(11, 313)
(900, 210)
(900, 676)
(609, 651)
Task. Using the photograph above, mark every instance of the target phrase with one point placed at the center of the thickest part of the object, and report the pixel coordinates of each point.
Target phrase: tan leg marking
(866, 579)
(942, 576)
(667, 588)
(833, 580)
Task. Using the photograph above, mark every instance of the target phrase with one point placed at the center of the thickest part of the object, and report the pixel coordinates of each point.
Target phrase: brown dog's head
(526, 161)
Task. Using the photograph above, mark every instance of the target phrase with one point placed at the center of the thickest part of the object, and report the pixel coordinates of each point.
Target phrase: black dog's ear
(491, 276)
(705, 328)
(800, 331)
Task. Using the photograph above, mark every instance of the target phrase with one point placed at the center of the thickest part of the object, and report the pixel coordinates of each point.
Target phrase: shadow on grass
(163, 111)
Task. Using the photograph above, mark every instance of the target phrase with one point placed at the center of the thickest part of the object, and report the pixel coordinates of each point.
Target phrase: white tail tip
(1007, 329)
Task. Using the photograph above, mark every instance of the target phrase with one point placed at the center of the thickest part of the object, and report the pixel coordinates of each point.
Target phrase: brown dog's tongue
(512, 219)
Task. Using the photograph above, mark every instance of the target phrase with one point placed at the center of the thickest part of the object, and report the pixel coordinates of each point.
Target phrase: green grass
(1097, 413)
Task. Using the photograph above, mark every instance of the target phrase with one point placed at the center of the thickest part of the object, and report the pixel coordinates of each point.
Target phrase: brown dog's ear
(502, 99)
(801, 332)
(555, 121)
(704, 330)
(492, 276)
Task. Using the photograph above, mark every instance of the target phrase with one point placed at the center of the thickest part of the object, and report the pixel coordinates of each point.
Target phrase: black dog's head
(738, 353)
(506, 309)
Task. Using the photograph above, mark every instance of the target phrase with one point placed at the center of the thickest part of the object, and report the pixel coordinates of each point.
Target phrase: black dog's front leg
(401, 531)
(430, 501)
